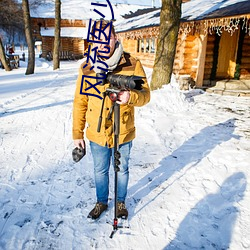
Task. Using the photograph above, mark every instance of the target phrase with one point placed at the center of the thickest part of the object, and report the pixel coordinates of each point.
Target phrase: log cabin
(75, 16)
(213, 41)
(73, 37)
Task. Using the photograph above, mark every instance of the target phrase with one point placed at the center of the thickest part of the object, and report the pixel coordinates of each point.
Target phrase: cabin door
(227, 55)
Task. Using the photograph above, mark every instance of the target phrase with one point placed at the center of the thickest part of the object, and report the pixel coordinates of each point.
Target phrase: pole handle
(99, 124)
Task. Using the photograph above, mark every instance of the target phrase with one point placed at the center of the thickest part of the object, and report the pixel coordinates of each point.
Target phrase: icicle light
(152, 32)
(206, 27)
(218, 25)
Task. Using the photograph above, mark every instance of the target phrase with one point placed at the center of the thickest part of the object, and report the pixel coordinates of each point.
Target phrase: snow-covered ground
(189, 170)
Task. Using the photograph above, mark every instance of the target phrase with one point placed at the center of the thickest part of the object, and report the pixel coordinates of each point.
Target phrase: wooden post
(201, 60)
(149, 45)
(145, 45)
(140, 40)
(156, 43)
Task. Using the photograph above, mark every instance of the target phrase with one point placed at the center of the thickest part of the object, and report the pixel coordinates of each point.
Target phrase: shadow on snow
(23, 110)
(209, 225)
(190, 153)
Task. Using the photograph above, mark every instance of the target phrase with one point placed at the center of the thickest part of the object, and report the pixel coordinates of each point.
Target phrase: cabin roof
(208, 9)
(194, 10)
(83, 10)
(79, 32)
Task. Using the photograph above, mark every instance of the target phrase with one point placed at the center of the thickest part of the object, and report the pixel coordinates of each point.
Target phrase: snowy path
(189, 170)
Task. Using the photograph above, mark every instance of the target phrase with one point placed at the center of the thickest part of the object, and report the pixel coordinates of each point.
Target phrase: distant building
(75, 16)
(73, 37)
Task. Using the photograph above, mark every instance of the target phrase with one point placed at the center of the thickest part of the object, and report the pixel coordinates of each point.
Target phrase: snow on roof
(67, 32)
(145, 20)
(197, 9)
(84, 10)
(192, 10)
(38, 42)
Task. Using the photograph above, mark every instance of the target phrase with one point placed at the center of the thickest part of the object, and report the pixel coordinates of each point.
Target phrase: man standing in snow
(87, 106)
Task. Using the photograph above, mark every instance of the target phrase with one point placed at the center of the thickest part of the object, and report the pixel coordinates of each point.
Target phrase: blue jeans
(102, 158)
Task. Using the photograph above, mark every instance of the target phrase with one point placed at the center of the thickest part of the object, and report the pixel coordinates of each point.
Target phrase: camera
(122, 81)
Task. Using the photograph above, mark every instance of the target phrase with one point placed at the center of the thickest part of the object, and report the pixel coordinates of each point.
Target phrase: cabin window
(146, 45)
(140, 45)
(152, 45)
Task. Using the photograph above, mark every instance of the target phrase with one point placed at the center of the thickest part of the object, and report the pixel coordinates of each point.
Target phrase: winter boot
(97, 210)
(122, 211)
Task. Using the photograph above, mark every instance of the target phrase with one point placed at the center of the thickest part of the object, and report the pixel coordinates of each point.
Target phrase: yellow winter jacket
(87, 108)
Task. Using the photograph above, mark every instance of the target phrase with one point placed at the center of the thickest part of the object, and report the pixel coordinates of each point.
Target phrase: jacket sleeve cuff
(77, 135)
(138, 98)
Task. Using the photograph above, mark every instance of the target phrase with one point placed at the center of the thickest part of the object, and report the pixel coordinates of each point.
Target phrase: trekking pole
(117, 156)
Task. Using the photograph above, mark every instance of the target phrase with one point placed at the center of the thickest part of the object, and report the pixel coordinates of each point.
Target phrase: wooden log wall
(38, 23)
(50, 22)
(179, 59)
(186, 55)
(245, 60)
(66, 44)
(131, 46)
(73, 45)
(185, 58)
(190, 56)
(209, 57)
(47, 45)
(146, 59)
(79, 46)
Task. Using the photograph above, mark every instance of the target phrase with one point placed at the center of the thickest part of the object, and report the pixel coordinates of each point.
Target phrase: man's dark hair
(104, 23)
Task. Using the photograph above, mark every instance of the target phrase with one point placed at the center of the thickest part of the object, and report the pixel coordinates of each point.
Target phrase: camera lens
(113, 96)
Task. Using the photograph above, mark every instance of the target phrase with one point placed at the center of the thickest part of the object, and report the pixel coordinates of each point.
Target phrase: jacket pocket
(126, 119)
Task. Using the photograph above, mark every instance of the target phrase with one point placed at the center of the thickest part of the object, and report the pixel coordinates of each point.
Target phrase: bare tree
(28, 33)
(3, 57)
(169, 27)
(11, 16)
(11, 23)
(56, 59)
(36, 3)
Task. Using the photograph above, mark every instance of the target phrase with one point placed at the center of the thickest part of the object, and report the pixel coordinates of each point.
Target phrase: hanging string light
(140, 33)
(218, 25)
(246, 25)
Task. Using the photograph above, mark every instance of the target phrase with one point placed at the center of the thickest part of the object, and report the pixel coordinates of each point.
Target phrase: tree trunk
(56, 59)
(29, 38)
(168, 35)
(3, 57)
